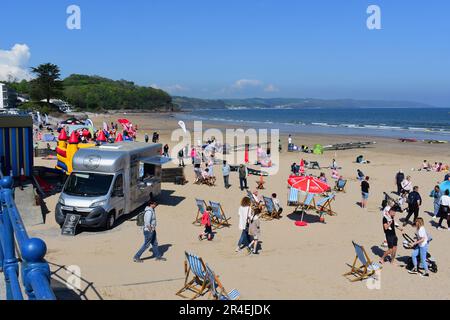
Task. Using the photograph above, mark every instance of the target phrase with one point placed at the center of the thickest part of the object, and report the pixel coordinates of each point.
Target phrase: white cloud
(244, 83)
(271, 88)
(13, 63)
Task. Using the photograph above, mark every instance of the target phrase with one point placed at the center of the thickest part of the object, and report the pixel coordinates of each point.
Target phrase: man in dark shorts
(391, 237)
(414, 202)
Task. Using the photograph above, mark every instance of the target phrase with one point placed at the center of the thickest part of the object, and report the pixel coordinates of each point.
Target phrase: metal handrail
(35, 271)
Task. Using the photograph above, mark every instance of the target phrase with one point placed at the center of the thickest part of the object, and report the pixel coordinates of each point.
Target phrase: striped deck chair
(252, 199)
(310, 202)
(198, 283)
(216, 289)
(293, 198)
(201, 206)
(367, 268)
(324, 204)
(218, 218)
(269, 212)
(340, 185)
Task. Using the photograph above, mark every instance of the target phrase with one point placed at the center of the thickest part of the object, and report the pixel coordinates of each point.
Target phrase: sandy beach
(294, 263)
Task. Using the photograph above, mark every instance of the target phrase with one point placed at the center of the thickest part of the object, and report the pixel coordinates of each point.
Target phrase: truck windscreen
(88, 184)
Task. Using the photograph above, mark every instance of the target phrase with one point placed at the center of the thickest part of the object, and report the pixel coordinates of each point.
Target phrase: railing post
(35, 270)
(10, 262)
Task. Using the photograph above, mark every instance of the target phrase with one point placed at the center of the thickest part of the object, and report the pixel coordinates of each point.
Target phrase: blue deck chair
(310, 202)
(293, 197)
(218, 219)
(201, 207)
(324, 204)
(340, 185)
(196, 268)
(216, 289)
(367, 268)
(252, 199)
(270, 212)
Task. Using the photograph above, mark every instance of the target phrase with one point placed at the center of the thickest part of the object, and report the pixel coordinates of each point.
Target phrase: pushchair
(432, 265)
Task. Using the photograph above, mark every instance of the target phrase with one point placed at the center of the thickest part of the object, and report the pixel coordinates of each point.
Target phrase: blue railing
(35, 271)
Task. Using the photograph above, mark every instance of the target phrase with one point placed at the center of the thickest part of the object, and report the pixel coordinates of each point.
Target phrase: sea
(401, 123)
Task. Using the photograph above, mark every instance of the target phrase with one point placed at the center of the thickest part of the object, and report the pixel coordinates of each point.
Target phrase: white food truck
(109, 181)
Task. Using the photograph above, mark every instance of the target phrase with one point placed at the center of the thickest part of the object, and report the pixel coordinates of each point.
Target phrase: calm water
(433, 123)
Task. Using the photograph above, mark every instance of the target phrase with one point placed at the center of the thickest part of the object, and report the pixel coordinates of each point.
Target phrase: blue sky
(241, 48)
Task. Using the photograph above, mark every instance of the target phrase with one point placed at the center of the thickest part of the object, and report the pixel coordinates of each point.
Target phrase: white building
(8, 97)
(3, 97)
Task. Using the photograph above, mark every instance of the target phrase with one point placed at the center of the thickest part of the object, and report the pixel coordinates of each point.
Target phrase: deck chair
(367, 268)
(198, 177)
(270, 211)
(324, 204)
(198, 284)
(216, 289)
(309, 203)
(252, 199)
(201, 205)
(293, 198)
(340, 185)
(218, 218)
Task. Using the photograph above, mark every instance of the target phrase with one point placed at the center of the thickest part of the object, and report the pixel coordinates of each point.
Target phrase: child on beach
(206, 221)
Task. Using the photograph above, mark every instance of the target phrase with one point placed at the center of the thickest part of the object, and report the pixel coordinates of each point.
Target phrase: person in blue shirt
(436, 195)
(226, 174)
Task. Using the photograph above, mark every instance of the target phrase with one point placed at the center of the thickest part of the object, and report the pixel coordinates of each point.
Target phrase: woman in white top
(407, 184)
(420, 248)
(444, 209)
(244, 212)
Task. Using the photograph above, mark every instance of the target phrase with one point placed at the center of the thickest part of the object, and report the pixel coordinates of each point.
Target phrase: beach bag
(253, 228)
(140, 219)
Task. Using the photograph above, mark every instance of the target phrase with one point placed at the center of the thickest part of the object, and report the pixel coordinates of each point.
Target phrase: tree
(47, 84)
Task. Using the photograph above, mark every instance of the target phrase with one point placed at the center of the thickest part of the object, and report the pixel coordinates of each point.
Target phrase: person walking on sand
(149, 229)
(206, 221)
(254, 231)
(243, 174)
(244, 213)
(436, 195)
(181, 158)
(399, 177)
(365, 186)
(444, 209)
(146, 138)
(420, 248)
(414, 203)
(391, 237)
(407, 184)
(226, 174)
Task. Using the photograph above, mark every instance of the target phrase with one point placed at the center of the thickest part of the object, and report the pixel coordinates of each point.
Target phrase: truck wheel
(110, 221)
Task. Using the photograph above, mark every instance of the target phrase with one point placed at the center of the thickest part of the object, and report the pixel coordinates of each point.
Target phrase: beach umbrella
(308, 184)
(124, 121)
(445, 186)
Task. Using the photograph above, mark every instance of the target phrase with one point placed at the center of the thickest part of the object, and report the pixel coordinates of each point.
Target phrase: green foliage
(47, 84)
(42, 107)
(94, 93)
